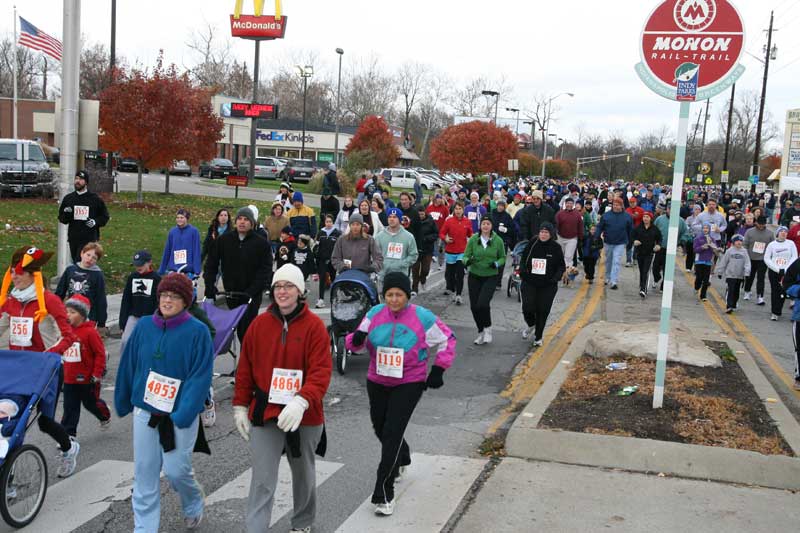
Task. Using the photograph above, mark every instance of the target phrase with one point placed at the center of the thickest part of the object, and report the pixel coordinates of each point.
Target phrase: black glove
(359, 337)
(435, 378)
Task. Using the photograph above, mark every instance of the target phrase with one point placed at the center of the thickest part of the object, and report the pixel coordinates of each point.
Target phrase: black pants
(701, 275)
(589, 264)
(502, 270)
(75, 248)
(481, 290)
(776, 293)
(688, 247)
(420, 271)
(88, 395)
(249, 315)
(659, 263)
(758, 269)
(734, 286)
(536, 305)
(324, 267)
(51, 427)
(390, 409)
(644, 261)
(454, 277)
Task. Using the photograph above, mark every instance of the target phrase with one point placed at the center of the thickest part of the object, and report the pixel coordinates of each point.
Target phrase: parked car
(179, 166)
(24, 169)
(128, 164)
(405, 178)
(265, 168)
(298, 170)
(221, 168)
(203, 168)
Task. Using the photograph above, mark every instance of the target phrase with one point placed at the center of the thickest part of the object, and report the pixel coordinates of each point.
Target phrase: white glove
(292, 414)
(242, 421)
(90, 222)
(68, 210)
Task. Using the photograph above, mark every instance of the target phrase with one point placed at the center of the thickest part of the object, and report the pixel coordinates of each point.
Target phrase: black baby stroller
(352, 294)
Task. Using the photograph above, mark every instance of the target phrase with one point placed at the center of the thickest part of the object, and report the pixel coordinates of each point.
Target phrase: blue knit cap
(394, 211)
(297, 197)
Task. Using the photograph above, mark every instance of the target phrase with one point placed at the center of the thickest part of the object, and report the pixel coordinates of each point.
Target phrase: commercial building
(36, 119)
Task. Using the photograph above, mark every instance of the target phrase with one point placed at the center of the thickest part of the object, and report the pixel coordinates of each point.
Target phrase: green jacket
(403, 251)
(484, 261)
(662, 223)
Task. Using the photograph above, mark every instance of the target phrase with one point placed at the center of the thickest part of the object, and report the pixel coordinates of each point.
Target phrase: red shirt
(794, 236)
(438, 213)
(460, 230)
(305, 346)
(92, 355)
(569, 224)
(55, 323)
(636, 214)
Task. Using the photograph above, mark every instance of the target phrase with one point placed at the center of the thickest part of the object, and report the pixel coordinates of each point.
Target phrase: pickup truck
(24, 169)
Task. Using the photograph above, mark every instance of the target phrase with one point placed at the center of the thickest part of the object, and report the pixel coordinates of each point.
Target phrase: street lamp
(532, 124)
(305, 73)
(549, 106)
(338, 110)
(496, 101)
(563, 142)
(515, 110)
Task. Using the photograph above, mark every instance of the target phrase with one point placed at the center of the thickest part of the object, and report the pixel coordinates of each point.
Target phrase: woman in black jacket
(541, 269)
(647, 241)
(427, 237)
(218, 226)
(326, 240)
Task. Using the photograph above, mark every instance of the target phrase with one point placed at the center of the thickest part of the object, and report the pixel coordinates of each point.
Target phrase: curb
(526, 441)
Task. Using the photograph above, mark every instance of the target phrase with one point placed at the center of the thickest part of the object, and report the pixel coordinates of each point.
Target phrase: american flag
(33, 37)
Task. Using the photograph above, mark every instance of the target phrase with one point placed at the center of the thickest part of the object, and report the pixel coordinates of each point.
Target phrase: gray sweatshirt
(755, 235)
(734, 264)
(362, 254)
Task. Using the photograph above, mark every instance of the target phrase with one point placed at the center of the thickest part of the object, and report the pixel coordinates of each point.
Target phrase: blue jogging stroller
(352, 294)
(30, 379)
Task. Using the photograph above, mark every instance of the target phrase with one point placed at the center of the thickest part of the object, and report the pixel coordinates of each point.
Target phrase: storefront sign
(246, 110)
(285, 136)
(258, 26)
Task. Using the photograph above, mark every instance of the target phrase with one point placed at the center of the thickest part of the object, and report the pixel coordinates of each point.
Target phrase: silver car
(24, 169)
(265, 168)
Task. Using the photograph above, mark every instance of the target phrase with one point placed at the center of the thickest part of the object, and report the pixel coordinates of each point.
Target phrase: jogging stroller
(352, 294)
(30, 380)
(514, 283)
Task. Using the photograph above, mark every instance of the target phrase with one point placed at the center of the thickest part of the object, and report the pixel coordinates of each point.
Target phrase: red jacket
(636, 214)
(58, 334)
(460, 230)
(91, 351)
(438, 213)
(794, 236)
(304, 345)
(569, 224)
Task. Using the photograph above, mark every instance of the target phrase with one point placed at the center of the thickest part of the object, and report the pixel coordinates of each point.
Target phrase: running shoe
(614, 286)
(69, 459)
(479, 340)
(459, 301)
(300, 530)
(320, 303)
(209, 416)
(487, 335)
(104, 424)
(729, 310)
(760, 301)
(413, 294)
(385, 509)
(643, 294)
(194, 522)
(527, 332)
(401, 471)
(538, 342)
(774, 317)
(746, 296)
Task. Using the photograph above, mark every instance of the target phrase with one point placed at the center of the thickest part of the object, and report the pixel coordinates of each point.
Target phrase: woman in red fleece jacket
(283, 373)
(456, 231)
(84, 367)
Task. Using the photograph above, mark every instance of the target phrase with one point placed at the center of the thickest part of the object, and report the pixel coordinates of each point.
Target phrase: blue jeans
(149, 459)
(614, 254)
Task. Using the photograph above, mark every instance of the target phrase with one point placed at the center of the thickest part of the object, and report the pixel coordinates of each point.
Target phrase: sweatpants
(568, 247)
(796, 339)
(776, 293)
(481, 290)
(454, 277)
(324, 267)
(702, 273)
(390, 409)
(589, 264)
(659, 264)
(644, 261)
(249, 315)
(267, 443)
(734, 285)
(88, 395)
(536, 305)
(758, 269)
(420, 271)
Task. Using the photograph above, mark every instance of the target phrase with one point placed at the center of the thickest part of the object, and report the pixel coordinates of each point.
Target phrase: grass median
(132, 227)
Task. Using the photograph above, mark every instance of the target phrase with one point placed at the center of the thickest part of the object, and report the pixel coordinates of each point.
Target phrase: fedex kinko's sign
(258, 26)
(690, 49)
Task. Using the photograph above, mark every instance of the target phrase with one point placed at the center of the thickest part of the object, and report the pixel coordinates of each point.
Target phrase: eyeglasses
(170, 296)
(282, 287)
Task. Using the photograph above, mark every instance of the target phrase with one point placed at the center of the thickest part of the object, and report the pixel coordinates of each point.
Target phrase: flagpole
(14, 53)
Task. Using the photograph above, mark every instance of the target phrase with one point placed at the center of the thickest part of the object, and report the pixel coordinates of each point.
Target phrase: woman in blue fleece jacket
(163, 378)
(182, 248)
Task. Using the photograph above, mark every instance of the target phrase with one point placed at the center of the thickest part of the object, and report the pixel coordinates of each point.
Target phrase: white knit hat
(292, 274)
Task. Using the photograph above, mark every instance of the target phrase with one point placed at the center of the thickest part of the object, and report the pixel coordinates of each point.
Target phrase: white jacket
(377, 225)
(779, 255)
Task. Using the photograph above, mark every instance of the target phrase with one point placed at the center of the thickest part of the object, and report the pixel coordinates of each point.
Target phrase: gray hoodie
(755, 235)
(734, 264)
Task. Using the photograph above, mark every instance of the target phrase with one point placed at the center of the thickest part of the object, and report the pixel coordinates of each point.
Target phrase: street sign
(761, 187)
(690, 49)
(236, 181)
(705, 168)
(754, 179)
(513, 165)
(723, 178)
(687, 180)
(699, 178)
(709, 181)
(743, 185)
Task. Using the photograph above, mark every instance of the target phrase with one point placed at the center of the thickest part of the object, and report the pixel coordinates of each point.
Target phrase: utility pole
(757, 152)
(251, 171)
(705, 125)
(728, 133)
(111, 66)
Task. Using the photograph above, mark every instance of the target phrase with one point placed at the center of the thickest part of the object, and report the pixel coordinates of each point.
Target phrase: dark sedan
(221, 168)
(130, 165)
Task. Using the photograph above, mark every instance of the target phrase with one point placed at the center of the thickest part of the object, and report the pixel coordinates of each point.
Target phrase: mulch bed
(706, 406)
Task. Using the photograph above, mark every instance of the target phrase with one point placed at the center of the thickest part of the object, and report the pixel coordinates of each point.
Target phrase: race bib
(538, 266)
(714, 228)
(345, 216)
(395, 250)
(285, 384)
(80, 212)
(758, 247)
(781, 262)
(435, 215)
(21, 331)
(472, 215)
(796, 218)
(73, 353)
(389, 362)
(161, 391)
(179, 257)
(502, 229)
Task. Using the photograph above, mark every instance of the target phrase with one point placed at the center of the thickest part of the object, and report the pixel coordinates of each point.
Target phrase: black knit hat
(548, 227)
(397, 280)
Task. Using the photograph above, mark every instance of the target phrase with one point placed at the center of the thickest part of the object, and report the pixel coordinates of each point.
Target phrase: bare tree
(213, 58)
(411, 80)
(743, 130)
(95, 65)
(368, 91)
(29, 67)
(432, 116)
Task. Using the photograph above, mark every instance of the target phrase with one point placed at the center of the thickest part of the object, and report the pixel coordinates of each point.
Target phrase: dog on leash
(569, 275)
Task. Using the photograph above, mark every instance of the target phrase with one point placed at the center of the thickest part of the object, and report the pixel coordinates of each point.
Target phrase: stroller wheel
(341, 356)
(509, 284)
(23, 485)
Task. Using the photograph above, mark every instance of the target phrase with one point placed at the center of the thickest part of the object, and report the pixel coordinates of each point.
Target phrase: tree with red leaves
(374, 142)
(158, 117)
(475, 147)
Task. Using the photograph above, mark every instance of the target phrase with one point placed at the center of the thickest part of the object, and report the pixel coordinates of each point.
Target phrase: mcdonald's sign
(257, 25)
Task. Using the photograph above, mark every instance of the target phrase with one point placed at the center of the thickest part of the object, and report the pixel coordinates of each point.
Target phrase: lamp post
(549, 105)
(305, 73)
(338, 110)
(496, 101)
(533, 124)
(515, 110)
(563, 142)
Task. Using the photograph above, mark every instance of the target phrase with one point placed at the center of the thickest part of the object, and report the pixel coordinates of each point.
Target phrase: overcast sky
(581, 46)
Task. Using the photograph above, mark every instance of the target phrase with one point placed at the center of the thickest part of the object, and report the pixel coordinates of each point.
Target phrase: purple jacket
(415, 330)
(703, 255)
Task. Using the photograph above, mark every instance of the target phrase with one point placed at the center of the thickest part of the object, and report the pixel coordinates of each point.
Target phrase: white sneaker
(69, 459)
(479, 340)
(413, 294)
(320, 303)
(209, 416)
(538, 342)
(459, 301)
(487, 335)
(400, 473)
(760, 301)
(300, 530)
(746, 296)
(527, 332)
(386, 509)
(774, 318)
